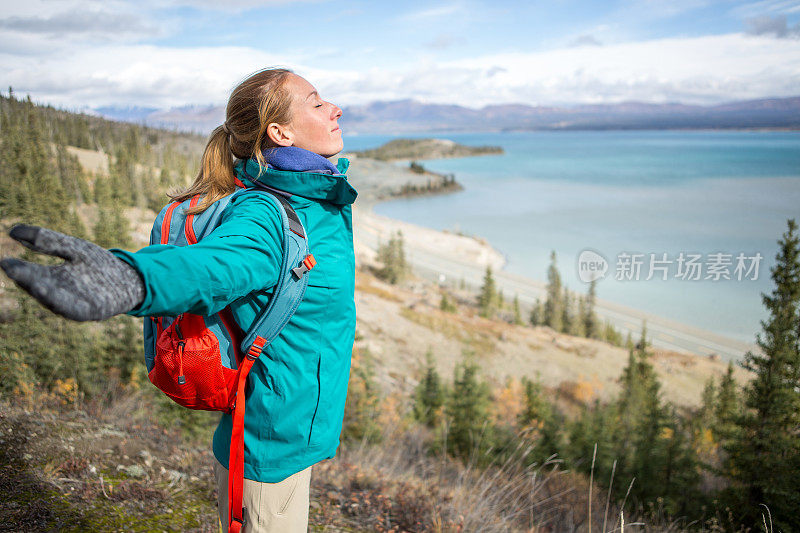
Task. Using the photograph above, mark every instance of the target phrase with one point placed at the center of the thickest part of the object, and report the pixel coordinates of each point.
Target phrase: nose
(336, 112)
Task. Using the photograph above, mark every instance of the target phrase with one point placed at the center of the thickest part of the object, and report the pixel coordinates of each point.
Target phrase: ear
(280, 134)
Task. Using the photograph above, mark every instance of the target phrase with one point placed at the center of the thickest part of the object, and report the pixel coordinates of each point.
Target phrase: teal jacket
(296, 390)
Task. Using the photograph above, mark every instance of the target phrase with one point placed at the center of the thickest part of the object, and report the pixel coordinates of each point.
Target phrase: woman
(279, 131)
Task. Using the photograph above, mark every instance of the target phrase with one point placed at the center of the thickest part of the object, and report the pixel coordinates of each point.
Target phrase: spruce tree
(517, 312)
(400, 256)
(392, 257)
(579, 326)
(488, 295)
(363, 401)
(541, 422)
(567, 314)
(677, 477)
(611, 335)
(537, 312)
(468, 412)
(553, 306)
(765, 458)
(727, 408)
(590, 322)
(706, 415)
(429, 395)
(643, 436)
(629, 341)
(446, 305)
(535, 408)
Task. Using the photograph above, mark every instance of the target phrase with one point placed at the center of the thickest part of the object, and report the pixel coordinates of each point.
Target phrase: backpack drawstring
(181, 344)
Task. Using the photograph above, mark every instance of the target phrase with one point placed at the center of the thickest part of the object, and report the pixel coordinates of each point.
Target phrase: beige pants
(269, 507)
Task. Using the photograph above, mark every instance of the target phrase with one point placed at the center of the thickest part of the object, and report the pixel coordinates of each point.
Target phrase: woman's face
(314, 121)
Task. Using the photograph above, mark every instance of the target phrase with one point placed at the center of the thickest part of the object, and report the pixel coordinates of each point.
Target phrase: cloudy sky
(156, 53)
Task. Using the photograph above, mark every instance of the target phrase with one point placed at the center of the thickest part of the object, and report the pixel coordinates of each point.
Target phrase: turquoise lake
(634, 192)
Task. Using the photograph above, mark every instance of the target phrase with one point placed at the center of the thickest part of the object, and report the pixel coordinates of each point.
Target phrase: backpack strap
(286, 297)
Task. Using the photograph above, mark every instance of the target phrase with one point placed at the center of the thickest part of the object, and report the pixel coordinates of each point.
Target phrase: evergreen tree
(706, 415)
(596, 425)
(392, 256)
(590, 322)
(553, 305)
(535, 408)
(727, 408)
(611, 335)
(765, 458)
(629, 342)
(537, 314)
(567, 313)
(123, 346)
(649, 442)
(678, 475)
(704, 427)
(400, 255)
(429, 395)
(488, 295)
(112, 228)
(468, 412)
(540, 421)
(579, 326)
(362, 403)
(517, 312)
(75, 225)
(446, 305)
(71, 175)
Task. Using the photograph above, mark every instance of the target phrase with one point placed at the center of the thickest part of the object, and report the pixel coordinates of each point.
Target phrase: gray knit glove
(91, 284)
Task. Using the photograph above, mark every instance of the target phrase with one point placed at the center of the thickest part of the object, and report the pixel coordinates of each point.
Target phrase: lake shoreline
(444, 255)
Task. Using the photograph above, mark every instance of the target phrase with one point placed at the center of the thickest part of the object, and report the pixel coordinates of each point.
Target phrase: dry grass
(445, 325)
(366, 283)
(438, 493)
(400, 323)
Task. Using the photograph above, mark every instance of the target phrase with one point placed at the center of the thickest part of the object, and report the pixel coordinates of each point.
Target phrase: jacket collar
(311, 185)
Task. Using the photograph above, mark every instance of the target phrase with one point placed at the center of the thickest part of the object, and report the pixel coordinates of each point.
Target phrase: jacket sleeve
(243, 254)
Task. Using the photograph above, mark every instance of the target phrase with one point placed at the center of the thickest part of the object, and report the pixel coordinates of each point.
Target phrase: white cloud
(701, 70)
(81, 23)
(693, 70)
(135, 74)
(39, 27)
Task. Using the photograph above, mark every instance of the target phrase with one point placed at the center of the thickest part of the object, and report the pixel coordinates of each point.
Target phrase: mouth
(335, 129)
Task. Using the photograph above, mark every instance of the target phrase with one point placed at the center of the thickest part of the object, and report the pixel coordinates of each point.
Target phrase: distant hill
(405, 116)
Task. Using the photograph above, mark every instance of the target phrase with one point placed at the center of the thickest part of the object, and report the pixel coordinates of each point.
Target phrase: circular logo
(591, 266)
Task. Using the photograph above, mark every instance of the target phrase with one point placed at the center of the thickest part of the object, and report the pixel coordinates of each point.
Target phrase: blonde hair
(258, 101)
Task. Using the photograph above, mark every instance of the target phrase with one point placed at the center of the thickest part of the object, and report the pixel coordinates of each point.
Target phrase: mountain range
(409, 116)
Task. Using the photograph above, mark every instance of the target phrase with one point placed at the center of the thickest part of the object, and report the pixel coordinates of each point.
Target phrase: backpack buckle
(306, 265)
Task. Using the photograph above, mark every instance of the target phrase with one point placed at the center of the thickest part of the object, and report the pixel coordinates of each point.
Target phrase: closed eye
(318, 105)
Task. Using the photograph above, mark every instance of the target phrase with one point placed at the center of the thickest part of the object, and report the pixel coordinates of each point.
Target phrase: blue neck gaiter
(299, 160)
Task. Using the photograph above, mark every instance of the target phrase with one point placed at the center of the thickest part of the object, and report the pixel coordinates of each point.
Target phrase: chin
(333, 151)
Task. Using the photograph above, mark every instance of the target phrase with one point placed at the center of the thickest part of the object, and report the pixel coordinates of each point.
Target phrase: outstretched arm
(91, 284)
(241, 255)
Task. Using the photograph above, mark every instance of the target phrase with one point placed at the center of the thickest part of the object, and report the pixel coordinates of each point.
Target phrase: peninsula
(412, 149)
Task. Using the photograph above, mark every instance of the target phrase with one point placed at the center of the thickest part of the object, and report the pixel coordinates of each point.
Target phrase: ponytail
(216, 178)
(254, 104)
